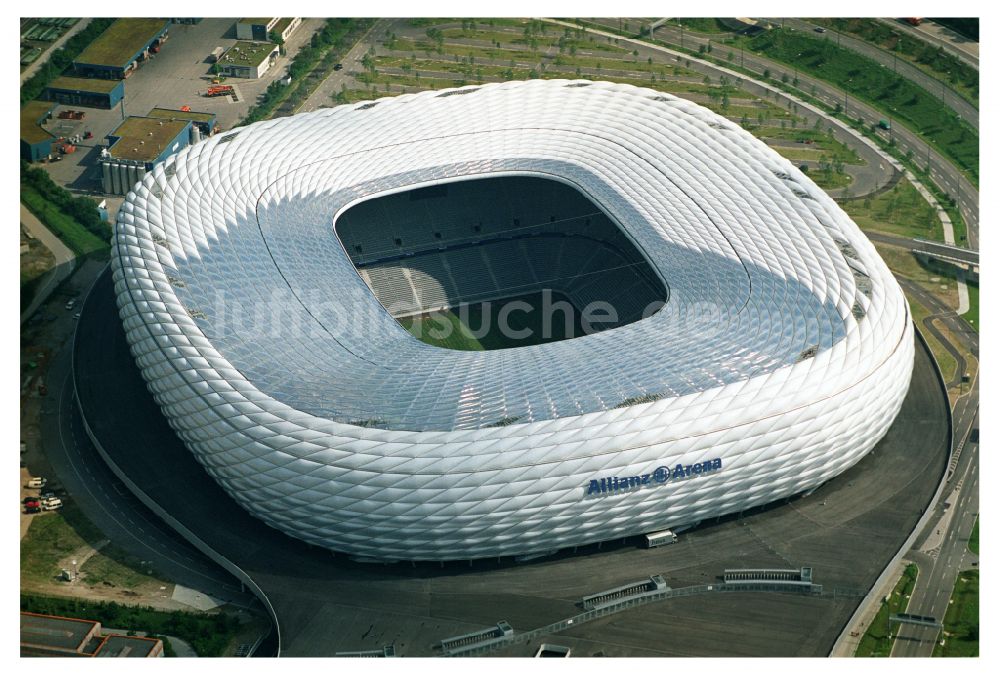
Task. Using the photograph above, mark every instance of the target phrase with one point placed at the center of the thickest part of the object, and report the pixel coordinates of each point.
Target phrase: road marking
(69, 457)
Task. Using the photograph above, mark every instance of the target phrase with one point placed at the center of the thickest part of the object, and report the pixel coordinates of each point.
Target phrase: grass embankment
(900, 211)
(961, 622)
(74, 220)
(877, 642)
(867, 80)
(68, 229)
(944, 358)
(53, 537)
(972, 316)
(974, 539)
(210, 635)
(893, 95)
(934, 61)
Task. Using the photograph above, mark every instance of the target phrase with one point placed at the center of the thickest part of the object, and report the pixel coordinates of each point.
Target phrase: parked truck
(220, 90)
(216, 53)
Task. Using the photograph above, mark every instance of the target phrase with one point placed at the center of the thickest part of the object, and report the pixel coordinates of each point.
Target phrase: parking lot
(175, 77)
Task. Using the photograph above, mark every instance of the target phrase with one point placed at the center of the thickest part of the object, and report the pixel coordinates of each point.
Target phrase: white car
(51, 504)
(70, 304)
(36, 482)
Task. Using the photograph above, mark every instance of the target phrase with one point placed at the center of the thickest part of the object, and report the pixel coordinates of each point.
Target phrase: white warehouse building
(762, 347)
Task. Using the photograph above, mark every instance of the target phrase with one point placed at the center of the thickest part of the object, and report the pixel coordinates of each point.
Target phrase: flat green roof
(144, 138)
(121, 41)
(245, 53)
(85, 84)
(169, 114)
(30, 114)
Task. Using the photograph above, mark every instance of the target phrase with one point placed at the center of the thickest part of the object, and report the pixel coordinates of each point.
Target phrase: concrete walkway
(65, 260)
(44, 58)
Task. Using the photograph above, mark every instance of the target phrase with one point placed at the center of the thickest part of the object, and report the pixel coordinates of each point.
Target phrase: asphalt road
(110, 506)
(939, 36)
(326, 603)
(935, 87)
(942, 172)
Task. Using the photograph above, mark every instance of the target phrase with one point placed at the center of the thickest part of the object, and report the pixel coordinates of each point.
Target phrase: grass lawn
(481, 326)
(55, 536)
(900, 211)
(897, 97)
(876, 642)
(941, 355)
(961, 622)
(972, 316)
(935, 62)
(72, 233)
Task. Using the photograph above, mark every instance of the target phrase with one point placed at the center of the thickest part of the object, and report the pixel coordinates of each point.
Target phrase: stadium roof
(785, 348)
(732, 229)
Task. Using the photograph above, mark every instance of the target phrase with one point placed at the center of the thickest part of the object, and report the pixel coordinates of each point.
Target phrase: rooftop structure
(146, 139)
(53, 636)
(248, 59)
(85, 84)
(125, 42)
(32, 114)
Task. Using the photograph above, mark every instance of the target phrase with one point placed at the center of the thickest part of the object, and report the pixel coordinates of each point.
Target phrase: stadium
(686, 326)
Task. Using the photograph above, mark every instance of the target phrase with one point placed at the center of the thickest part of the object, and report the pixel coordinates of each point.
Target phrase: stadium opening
(498, 262)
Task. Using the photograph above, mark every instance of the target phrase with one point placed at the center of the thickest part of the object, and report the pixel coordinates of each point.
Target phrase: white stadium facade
(763, 346)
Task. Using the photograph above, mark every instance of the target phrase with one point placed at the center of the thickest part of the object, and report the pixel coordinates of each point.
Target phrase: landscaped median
(960, 637)
(877, 641)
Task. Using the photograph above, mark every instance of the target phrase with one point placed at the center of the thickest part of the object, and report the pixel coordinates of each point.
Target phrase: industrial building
(119, 50)
(778, 354)
(36, 141)
(248, 60)
(52, 636)
(136, 146)
(204, 123)
(89, 92)
(260, 29)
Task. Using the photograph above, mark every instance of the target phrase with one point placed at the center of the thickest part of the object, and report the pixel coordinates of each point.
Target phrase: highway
(932, 85)
(937, 35)
(942, 172)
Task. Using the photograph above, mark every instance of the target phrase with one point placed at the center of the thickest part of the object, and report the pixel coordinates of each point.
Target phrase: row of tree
(81, 209)
(61, 58)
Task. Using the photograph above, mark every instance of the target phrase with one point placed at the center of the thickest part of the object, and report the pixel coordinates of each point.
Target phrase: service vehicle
(37, 482)
(663, 537)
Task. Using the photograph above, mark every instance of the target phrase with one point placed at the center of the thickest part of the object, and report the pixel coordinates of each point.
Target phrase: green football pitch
(499, 324)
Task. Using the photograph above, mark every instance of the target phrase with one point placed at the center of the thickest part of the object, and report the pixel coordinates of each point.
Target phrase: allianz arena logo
(658, 477)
